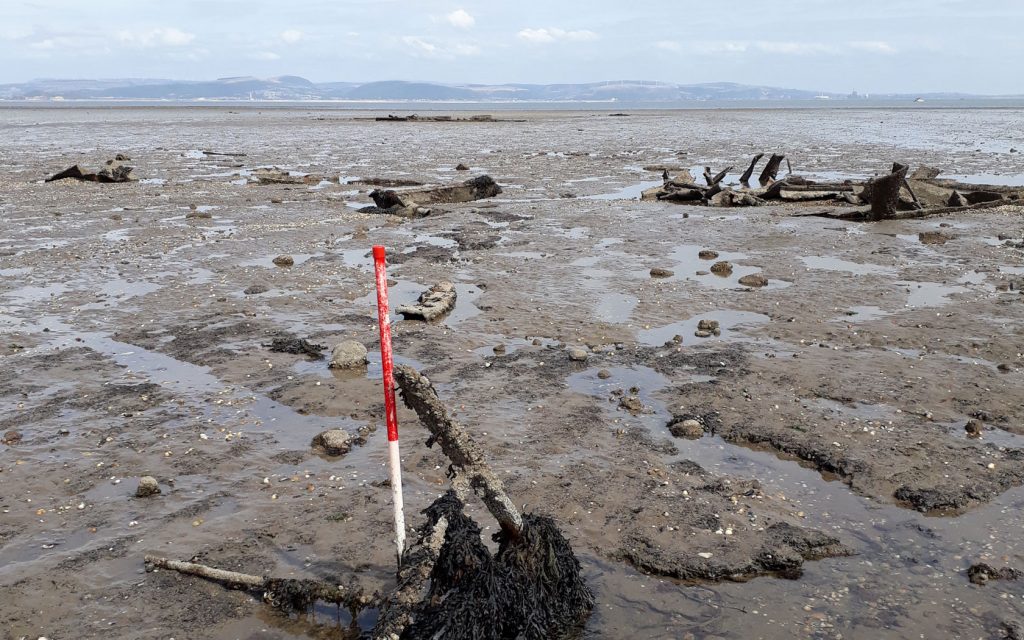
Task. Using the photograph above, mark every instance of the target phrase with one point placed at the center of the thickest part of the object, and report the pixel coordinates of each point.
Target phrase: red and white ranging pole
(390, 411)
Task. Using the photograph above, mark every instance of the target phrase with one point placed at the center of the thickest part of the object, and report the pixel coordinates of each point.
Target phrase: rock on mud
(631, 404)
(689, 428)
(334, 442)
(432, 303)
(658, 272)
(974, 428)
(461, 167)
(348, 355)
(148, 486)
(754, 280)
(722, 268)
(11, 437)
(284, 260)
(707, 254)
(256, 289)
(707, 328)
(980, 573)
(577, 354)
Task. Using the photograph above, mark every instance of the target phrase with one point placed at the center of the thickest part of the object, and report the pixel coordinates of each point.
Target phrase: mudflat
(816, 442)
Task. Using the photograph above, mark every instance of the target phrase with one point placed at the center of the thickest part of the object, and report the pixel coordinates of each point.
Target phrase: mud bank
(827, 487)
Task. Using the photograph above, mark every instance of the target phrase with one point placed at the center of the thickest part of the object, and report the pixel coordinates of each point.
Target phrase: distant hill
(295, 88)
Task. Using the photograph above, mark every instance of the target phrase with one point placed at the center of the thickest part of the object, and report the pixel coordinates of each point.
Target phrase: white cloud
(554, 34)
(423, 48)
(163, 36)
(460, 19)
(874, 46)
(795, 48)
(265, 55)
(291, 36)
(420, 46)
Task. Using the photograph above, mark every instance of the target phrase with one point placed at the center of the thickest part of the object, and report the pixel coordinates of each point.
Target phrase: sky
(871, 46)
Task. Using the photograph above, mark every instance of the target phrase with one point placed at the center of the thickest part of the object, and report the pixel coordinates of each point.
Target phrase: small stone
(702, 273)
(461, 167)
(256, 289)
(707, 254)
(722, 268)
(577, 354)
(11, 437)
(705, 554)
(499, 349)
(754, 280)
(536, 342)
(348, 355)
(974, 428)
(702, 334)
(707, 325)
(631, 404)
(333, 442)
(658, 272)
(148, 486)
(284, 260)
(688, 428)
(1004, 367)
(604, 374)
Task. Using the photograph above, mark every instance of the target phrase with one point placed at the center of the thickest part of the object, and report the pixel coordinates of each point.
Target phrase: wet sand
(834, 492)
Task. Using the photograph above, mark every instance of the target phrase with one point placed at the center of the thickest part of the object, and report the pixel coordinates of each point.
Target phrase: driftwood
(418, 393)
(396, 611)
(771, 170)
(290, 595)
(745, 178)
(718, 177)
(432, 303)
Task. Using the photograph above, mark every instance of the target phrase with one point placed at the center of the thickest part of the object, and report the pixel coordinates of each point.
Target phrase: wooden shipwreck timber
(896, 194)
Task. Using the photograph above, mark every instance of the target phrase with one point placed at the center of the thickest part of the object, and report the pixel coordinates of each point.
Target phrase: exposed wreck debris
(897, 194)
(480, 117)
(531, 589)
(386, 182)
(114, 171)
(432, 304)
(273, 175)
(414, 203)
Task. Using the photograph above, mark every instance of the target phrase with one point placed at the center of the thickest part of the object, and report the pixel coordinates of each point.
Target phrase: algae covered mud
(828, 459)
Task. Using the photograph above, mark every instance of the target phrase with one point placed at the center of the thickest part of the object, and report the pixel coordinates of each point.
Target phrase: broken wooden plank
(745, 178)
(432, 303)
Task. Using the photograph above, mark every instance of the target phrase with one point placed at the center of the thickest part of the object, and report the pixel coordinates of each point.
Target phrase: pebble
(658, 272)
(754, 280)
(255, 289)
(707, 254)
(499, 349)
(974, 428)
(333, 442)
(148, 486)
(577, 354)
(722, 268)
(631, 404)
(284, 260)
(690, 428)
(11, 437)
(604, 374)
(348, 355)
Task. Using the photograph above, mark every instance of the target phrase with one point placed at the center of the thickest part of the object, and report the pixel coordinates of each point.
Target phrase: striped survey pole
(390, 411)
